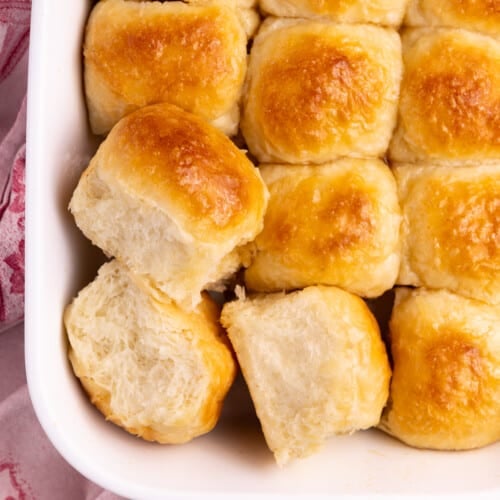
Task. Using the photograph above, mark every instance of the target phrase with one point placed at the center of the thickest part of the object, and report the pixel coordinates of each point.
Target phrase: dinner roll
(333, 224)
(386, 12)
(189, 54)
(449, 111)
(172, 198)
(476, 15)
(445, 390)
(316, 91)
(150, 367)
(451, 228)
(314, 363)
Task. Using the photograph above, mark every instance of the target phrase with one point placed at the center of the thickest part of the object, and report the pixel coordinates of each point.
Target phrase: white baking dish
(233, 460)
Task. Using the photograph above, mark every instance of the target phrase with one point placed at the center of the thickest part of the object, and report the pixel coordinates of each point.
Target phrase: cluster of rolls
(378, 165)
(445, 155)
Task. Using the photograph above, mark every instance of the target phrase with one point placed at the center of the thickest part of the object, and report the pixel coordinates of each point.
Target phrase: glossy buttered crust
(139, 53)
(150, 367)
(385, 12)
(314, 363)
(475, 15)
(333, 224)
(171, 197)
(451, 228)
(449, 109)
(316, 91)
(445, 389)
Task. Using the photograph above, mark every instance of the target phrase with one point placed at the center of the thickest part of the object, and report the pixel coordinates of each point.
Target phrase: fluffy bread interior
(150, 367)
(173, 199)
(314, 363)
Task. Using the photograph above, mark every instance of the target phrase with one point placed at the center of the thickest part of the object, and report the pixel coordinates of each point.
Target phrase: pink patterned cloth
(30, 467)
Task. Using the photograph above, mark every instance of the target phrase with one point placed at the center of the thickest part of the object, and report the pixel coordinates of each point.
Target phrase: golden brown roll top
(449, 109)
(314, 363)
(445, 389)
(186, 167)
(150, 367)
(139, 53)
(316, 91)
(475, 15)
(385, 12)
(451, 228)
(334, 224)
(172, 197)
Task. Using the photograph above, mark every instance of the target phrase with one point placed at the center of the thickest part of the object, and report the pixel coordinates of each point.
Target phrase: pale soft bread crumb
(173, 199)
(314, 363)
(151, 368)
